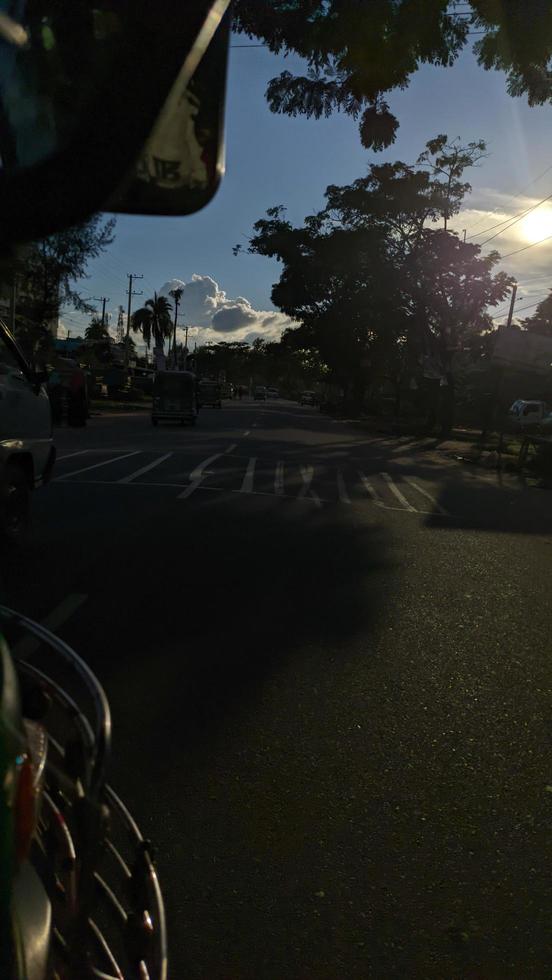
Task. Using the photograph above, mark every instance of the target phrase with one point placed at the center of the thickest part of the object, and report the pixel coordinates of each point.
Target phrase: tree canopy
(356, 52)
(153, 320)
(377, 280)
(46, 274)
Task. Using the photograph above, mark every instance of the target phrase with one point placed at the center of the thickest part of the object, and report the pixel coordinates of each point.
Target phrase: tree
(358, 51)
(177, 296)
(375, 284)
(153, 321)
(98, 340)
(541, 320)
(47, 274)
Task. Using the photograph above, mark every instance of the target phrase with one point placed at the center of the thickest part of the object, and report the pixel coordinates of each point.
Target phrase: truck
(27, 452)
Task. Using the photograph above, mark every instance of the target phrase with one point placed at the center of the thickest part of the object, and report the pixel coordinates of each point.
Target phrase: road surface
(328, 658)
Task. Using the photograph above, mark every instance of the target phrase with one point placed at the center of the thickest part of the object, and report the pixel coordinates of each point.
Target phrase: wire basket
(108, 918)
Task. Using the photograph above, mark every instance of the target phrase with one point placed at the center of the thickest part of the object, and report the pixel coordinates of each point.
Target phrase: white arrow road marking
(247, 485)
(416, 486)
(307, 474)
(95, 466)
(197, 474)
(342, 489)
(145, 469)
(395, 490)
(279, 477)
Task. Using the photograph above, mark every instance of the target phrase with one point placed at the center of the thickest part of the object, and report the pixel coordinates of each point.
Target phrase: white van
(27, 451)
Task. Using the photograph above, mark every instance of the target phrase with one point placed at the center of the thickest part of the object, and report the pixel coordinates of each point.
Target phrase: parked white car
(27, 452)
(527, 413)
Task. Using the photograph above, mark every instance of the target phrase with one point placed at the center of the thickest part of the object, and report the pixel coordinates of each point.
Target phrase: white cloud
(213, 316)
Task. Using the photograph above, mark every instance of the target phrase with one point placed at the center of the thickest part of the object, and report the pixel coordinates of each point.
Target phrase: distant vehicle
(174, 397)
(527, 413)
(227, 389)
(260, 393)
(272, 392)
(307, 398)
(210, 394)
(27, 451)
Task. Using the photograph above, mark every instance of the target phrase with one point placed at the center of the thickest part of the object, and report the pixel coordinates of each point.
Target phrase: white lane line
(397, 493)
(231, 448)
(198, 485)
(247, 485)
(416, 486)
(279, 477)
(307, 474)
(342, 489)
(190, 489)
(95, 466)
(370, 491)
(70, 455)
(56, 618)
(197, 474)
(145, 469)
(248, 433)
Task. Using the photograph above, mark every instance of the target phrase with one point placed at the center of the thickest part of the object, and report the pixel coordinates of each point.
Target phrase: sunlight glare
(537, 225)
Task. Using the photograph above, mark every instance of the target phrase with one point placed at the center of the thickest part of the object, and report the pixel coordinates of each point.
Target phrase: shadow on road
(234, 591)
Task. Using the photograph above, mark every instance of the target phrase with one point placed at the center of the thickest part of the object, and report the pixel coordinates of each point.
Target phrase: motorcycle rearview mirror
(112, 106)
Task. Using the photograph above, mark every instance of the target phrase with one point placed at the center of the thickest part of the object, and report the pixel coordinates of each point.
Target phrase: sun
(537, 225)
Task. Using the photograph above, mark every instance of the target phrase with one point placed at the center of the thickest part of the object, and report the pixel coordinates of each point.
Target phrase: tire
(15, 507)
(194, 420)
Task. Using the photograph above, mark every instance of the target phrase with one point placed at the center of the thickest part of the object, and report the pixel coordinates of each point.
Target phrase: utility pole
(105, 299)
(176, 297)
(512, 301)
(131, 277)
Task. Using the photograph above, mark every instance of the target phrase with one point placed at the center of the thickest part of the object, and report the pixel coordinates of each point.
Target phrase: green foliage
(374, 281)
(153, 321)
(46, 273)
(541, 320)
(358, 51)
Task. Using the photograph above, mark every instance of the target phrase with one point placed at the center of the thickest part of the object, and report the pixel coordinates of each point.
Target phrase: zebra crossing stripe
(279, 477)
(95, 466)
(145, 469)
(342, 489)
(307, 475)
(247, 485)
(416, 486)
(397, 493)
(370, 491)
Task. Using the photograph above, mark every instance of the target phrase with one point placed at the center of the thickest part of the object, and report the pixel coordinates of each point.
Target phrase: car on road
(307, 398)
(174, 397)
(259, 394)
(272, 392)
(27, 452)
(210, 395)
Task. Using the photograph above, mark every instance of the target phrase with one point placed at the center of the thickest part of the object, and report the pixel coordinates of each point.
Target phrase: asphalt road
(328, 658)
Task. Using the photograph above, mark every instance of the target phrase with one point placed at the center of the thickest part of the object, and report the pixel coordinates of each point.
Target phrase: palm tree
(176, 295)
(96, 331)
(153, 321)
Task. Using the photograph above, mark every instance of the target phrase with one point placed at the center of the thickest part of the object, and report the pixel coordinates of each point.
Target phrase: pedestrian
(76, 415)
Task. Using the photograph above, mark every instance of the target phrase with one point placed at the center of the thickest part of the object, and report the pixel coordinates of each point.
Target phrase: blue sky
(280, 160)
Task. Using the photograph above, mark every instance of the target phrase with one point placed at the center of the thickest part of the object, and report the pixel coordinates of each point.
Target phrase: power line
(525, 247)
(512, 220)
